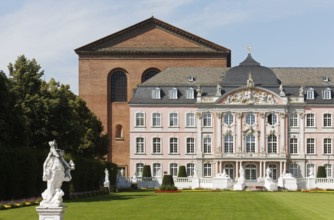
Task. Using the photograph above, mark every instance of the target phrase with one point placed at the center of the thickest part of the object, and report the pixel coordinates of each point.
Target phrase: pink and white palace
(269, 122)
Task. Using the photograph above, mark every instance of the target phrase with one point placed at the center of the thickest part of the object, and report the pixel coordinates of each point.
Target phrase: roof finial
(249, 48)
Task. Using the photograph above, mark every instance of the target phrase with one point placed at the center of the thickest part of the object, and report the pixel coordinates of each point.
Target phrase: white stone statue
(281, 90)
(268, 171)
(106, 178)
(311, 172)
(122, 172)
(242, 172)
(250, 81)
(219, 90)
(301, 91)
(55, 171)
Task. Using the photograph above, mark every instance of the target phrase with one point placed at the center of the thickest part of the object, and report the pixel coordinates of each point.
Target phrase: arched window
(118, 89)
(273, 169)
(119, 131)
(149, 74)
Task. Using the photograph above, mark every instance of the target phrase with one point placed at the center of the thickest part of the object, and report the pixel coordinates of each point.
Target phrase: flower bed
(19, 203)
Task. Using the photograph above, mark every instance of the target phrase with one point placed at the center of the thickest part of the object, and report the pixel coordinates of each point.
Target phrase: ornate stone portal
(56, 170)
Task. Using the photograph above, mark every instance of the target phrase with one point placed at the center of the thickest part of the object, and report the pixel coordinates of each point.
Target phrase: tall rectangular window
(207, 145)
(207, 170)
(293, 120)
(228, 144)
(173, 169)
(190, 145)
(310, 120)
(207, 119)
(156, 169)
(310, 145)
(293, 146)
(156, 119)
(190, 119)
(173, 148)
(140, 119)
(272, 144)
(327, 120)
(140, 145)
(250, 143)
(139, 169)
(327, 146)
(156, 145)
(190, 169)
(173, 120)
(328, 168)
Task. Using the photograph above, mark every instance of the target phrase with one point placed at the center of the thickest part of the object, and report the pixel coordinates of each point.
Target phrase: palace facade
(168, 98)
(213, 120)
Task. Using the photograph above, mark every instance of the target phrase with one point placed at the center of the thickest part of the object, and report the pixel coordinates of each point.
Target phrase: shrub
(147, 171)
(168, 183)
(321, 172)
(182, 172)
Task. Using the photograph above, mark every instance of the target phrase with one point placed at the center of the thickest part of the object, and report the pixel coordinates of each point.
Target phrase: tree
(12, 125)
(51, 111)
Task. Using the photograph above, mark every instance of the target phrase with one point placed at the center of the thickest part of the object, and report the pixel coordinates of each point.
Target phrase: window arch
(118, 83)
(149, 74)
(119, 131)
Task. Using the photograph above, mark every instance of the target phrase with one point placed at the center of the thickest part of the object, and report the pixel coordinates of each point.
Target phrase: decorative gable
(152, 37)
(251, 96)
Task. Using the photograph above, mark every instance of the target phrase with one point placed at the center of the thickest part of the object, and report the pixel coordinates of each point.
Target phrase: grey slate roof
(231, 78)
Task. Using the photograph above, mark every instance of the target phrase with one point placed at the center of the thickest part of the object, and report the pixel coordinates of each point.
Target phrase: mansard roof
(108, 44)
(230, 79)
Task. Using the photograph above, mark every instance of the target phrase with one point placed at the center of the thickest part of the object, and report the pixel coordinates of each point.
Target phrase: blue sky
(282, 33)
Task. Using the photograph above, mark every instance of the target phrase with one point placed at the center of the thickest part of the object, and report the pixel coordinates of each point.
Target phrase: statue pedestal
(269, 184)
(240, 185)
(51, 213)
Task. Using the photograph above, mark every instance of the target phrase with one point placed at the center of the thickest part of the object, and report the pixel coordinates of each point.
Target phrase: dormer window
(173, 93)
(310, 93)
(191, 79)
(156, 93)
(190, 93)
(327, 93)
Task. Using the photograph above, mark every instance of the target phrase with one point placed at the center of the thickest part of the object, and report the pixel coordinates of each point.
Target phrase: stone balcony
(251, 155)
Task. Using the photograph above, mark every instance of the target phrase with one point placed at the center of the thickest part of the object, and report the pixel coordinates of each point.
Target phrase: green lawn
(193, 205)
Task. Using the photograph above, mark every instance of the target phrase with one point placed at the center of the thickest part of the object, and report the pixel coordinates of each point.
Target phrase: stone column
(237, 169)
(199, 134)
(219, 132)
(282, 134)
(260, 174)
(263, 132)
(301, 134)
(280, 168)
(239, 132)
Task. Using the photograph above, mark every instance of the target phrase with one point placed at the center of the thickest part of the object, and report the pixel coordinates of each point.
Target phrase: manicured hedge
(22, 169)
(321, 172)
(168, 183)
(147, 171)
(182, 172)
